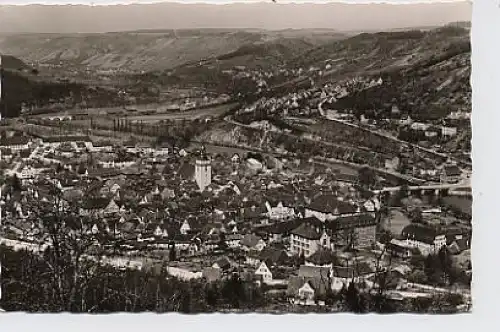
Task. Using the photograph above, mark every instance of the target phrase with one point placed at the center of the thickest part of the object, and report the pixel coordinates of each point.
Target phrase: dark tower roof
(203, 153)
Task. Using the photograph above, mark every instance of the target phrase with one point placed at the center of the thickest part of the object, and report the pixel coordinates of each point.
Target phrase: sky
(261, 15)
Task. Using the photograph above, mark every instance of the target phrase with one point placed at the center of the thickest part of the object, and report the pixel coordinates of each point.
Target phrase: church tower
(203, 170)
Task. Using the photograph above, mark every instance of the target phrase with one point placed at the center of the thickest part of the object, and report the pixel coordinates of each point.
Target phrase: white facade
(264, 271)
(203, 173)
(279, 211)
(426, 248)
(306, 292)
(448, 131)
(299, 244)
(323, 216)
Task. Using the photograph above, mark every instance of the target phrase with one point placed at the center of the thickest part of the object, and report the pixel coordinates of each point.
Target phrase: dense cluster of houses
(282, 228)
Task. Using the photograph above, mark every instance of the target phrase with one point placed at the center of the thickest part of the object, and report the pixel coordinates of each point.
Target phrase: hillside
(154, 50)
(425, 74)
(21, 85)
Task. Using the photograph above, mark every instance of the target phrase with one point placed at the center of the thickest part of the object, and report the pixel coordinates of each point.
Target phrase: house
(372, 205)
(252, 241)
(323, 258)
(307, 239)
(448, 131)
(450, 174)
(235, 159)
(15, 143)
(273, 256)
(342, 276)
(431, 132)
(357, 230)
(307, 290)
(252, 258)
(392, 164)
(280, 231)
(425, 238)
(270, 255)
(185, 227)
(233, 240)
(420, 126)
(405, 121)
(264, 272)
(397, 248)
(328, 207)
(222, 263)
(459, 245)
(56, 141)
(279, 211)
(111, 208)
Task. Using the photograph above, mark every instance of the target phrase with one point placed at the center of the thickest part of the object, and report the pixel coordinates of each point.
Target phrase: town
(300, 189)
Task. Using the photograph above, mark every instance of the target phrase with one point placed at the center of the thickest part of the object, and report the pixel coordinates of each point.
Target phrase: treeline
(19, 89)
(29, 284)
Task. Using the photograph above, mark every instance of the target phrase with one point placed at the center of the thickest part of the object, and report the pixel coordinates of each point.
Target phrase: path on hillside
(390, 137)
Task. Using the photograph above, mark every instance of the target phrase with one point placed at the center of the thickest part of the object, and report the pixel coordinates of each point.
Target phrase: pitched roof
(286, 227)
(422, 233)
(355, 221)
(14, 140)
(250, 240)
(322, 257)
(308, 271)
(319, 285)
(95, 203)
(223, 263)
(330, 204)
(307, 231)
(273, 255)
(347, 272)
(452, 170)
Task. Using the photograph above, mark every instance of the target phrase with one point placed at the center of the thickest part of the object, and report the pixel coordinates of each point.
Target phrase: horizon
(250, 14)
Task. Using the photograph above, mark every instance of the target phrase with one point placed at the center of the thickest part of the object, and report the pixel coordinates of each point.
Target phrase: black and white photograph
(245, 157)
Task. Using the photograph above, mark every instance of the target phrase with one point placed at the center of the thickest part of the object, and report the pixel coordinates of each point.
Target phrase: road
(330, 160)
(462, 185)
(390, 137)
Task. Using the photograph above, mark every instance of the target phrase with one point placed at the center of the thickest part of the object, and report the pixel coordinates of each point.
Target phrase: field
(198, 113)
(396, 222)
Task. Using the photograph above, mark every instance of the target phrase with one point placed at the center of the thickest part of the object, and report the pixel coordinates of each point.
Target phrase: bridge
(437, 188)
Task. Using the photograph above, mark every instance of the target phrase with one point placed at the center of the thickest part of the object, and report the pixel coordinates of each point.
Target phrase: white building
(448, 131)
(424, 238)
(203, 171)
(307, 239)
(264, 272)
(280, 211)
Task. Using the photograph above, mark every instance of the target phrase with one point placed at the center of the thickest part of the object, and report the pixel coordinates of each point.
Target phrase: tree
(59, 168)
(416, 215)
(353, 299)
(302, 259)
(401, 194)
(367, 177)
(16, 183)
(71, 262)
(222, 241)
(172, 254)
(81, 169)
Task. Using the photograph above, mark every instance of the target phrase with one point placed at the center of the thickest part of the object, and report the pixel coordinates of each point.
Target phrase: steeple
(203, 153)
